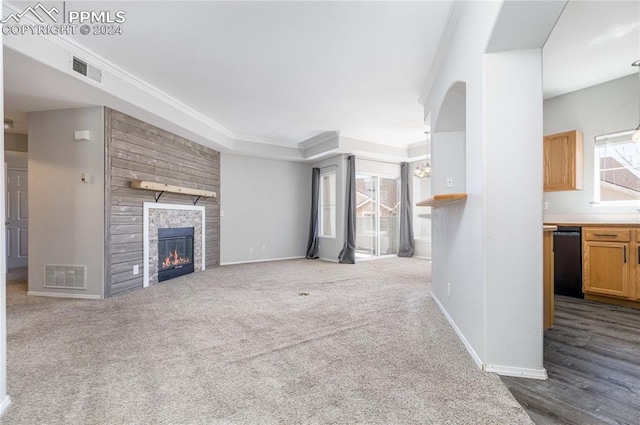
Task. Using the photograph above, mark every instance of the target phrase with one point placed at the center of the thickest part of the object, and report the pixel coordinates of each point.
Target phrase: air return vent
(89, 71)
(65, 276)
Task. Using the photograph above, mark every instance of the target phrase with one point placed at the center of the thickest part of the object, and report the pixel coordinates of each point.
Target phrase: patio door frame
(377, 177)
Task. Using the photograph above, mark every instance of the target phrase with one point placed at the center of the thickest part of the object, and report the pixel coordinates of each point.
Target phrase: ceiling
(286, 71)
(283, 72)
(593, 42)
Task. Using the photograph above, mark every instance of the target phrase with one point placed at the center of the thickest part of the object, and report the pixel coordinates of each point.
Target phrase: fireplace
(175, 252)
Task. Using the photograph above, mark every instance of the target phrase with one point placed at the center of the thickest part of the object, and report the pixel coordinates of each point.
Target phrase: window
(617, 169)
(328, 205)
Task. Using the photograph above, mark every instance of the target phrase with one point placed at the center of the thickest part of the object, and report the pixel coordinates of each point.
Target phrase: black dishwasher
(567, 265)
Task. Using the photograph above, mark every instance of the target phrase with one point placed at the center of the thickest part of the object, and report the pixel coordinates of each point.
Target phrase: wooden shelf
(161, 187)
(439, 200)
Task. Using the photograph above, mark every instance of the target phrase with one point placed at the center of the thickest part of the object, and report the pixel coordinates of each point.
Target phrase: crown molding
(98, 61)
(318, 139)
(417, 144)
(313, 148)
(84, 53)
(256, 139)
(455, 10)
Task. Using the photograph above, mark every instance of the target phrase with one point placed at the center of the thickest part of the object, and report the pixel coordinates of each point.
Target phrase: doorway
(377, 218)
(17, 215)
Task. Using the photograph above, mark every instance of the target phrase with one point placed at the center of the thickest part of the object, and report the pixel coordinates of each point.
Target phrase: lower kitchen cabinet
(611, 264)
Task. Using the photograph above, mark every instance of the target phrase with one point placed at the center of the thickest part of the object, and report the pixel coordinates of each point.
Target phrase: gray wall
(66, 216)
(266, 206)
(140, 151)
(605, 108)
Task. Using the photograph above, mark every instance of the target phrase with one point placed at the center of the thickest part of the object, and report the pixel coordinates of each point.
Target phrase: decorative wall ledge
(439, 200)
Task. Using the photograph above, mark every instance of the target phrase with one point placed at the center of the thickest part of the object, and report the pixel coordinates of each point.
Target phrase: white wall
(266, 203)
(329, 248)
(601, 109)
(450, 150)
(488, 249)
(66, 216)
(513, 221)
(4, 397)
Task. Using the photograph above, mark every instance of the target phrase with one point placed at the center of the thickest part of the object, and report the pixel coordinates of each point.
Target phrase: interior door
(17, 218)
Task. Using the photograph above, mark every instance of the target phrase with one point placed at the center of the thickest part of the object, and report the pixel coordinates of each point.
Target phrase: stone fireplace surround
(157, 216)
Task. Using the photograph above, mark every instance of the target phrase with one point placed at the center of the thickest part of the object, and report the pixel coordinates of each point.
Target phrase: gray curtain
(348, 253)
(407, 244)
(312, 245)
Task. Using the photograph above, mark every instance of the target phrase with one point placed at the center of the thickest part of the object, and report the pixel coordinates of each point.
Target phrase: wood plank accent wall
(135, 150)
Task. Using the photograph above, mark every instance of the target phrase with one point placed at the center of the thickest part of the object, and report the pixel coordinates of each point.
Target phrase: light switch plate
(82, 136)
(449, 181)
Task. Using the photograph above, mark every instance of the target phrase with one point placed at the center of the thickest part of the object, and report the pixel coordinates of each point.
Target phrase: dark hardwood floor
(592, 356)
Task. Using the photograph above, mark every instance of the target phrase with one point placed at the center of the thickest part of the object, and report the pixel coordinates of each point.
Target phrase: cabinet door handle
(606, 235)
(638, 254)
(625, 254)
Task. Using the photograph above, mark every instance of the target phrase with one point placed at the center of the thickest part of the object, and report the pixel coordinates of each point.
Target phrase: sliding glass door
(377, 210)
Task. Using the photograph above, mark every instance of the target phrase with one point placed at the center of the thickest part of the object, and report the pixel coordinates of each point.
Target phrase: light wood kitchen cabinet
(547, 280)
(611, 262)
(563, 158)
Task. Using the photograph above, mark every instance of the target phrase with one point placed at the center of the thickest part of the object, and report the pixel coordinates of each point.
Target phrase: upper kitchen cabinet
(563, 156)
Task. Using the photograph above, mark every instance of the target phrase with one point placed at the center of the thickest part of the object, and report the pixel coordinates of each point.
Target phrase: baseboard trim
(261, 261)
(5, 403)
(61, 295)
(518, 372)
(422, 258)
(466, 343)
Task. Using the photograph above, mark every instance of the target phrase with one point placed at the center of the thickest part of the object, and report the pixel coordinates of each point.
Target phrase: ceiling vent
(88, 71)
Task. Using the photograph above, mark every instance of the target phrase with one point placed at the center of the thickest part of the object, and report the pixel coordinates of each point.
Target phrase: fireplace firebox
(175, 252)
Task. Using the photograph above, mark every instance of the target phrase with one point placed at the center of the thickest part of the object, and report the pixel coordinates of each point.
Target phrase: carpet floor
(289, 342)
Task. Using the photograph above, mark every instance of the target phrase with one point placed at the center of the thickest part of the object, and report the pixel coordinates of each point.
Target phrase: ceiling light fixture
(424, 170)
(636, 134)
(8, 124)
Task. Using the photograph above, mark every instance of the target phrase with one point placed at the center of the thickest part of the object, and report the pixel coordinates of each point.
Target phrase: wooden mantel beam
(162, 187)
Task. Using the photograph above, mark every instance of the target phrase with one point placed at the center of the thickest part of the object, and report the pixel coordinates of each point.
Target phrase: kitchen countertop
(595, 223)
(592, 219)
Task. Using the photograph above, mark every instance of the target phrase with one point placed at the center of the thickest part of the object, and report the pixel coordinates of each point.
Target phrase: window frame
(602, 141)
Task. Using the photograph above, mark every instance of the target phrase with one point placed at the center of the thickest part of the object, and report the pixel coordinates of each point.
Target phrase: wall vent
(86, 70)
(65, 276)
